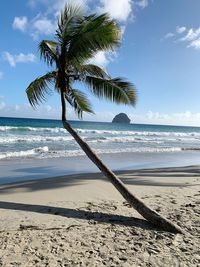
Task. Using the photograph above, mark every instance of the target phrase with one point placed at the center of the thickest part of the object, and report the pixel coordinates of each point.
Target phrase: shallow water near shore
(31, 169)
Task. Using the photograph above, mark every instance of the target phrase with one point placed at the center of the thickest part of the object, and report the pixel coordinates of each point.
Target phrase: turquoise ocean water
(34, 138)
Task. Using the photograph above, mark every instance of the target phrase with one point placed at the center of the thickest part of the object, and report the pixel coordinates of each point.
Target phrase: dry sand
(81, 220)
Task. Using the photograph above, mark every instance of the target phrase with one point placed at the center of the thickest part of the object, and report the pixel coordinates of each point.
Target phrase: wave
(33, 139)
(44, 152)
(138, 134)
(122, 139)
(29, 129)
(75, 153)
(25, 154)
(14, 139)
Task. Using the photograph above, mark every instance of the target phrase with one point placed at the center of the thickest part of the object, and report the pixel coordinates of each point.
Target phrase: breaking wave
(24, 154)
(44, 152)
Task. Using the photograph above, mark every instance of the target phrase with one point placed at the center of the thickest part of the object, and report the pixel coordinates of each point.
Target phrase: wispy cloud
(180, 29)
(42, 26)
(169, 35)
(25, 110)
(179, 118)
(142, 3)
(190, 36)
(20, 58)
(20, 23)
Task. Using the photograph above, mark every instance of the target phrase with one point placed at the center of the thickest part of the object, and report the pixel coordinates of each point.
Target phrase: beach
(81, 220)
(58, 210)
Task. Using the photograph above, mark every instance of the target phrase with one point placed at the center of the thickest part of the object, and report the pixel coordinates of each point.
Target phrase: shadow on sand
(143, 177)
(98, 217)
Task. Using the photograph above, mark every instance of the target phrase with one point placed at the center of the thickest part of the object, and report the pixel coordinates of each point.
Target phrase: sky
(159, 54)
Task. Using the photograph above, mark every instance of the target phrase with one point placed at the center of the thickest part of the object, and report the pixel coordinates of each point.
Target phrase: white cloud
(48, 108)
(20, 23)
(103, 58)
(142, 3)
(100, 59)
(195, 44)
(180, 29)
(20, 58)
(26, 111)
(2, 105)
(1, 75)
(192, 38)
(43, 26)
(10, 58)
(178, 118)
(169, 35)
(119, 10)
(191, 35)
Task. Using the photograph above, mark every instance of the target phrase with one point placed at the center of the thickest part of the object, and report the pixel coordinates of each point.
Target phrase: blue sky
(160, 54)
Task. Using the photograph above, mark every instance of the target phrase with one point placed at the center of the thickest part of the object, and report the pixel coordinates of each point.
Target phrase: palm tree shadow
(97, 217)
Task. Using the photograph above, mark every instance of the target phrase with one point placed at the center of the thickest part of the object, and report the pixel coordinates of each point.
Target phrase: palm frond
(79, 102)
(116, 90)
(94, 33)
(93, 70)
(67, 21)
(48, 51)
(39, 88)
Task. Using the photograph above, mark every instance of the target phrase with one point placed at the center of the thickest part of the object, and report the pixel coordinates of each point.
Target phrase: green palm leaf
(116, 90)
(39, 88)
(48, 51)
(93, 70)
(69, 17)
(93, 34)
(79, 102)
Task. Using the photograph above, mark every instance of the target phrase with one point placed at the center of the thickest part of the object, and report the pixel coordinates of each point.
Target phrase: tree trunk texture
(149, 214)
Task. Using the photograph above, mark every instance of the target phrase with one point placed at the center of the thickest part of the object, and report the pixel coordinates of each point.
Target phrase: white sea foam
(33, 139)
(33, 129)
(123, 139)
(75, 153)
(100, 132)
(11, 139)
(25, 154)
(44, 152)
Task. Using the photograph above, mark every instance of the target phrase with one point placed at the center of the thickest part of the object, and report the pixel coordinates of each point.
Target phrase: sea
(130, 145)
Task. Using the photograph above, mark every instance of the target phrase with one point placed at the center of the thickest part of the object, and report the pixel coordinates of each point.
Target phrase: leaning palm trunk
(149, 214)
(78, 39)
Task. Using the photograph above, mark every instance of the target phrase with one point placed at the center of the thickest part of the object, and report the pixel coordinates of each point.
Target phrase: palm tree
(78, 38)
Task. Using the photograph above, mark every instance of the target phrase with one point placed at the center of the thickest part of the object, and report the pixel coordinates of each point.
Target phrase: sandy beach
(81, 220)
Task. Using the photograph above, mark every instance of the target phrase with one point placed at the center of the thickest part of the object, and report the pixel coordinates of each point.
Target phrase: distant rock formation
(121, 118)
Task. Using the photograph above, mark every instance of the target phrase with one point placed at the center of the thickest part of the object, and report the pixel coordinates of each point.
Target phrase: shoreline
(14, 170)
(47, 222)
